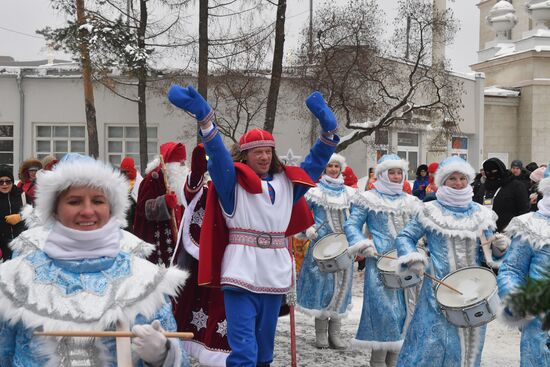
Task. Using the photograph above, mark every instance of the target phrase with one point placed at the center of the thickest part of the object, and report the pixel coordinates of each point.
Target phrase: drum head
(476, 284)
(387, 264)
(330, 246)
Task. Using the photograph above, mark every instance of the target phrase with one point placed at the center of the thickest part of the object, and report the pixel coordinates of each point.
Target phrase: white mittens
(417, 267)
(499, 245)
(311, 233)
(364, 247)
(150, 343)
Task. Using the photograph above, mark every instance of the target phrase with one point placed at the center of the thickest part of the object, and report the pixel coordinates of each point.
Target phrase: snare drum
(331, 253)
(387, 271)
(479, 302)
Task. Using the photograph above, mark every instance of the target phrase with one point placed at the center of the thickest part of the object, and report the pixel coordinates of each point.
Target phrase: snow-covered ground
(501, 344)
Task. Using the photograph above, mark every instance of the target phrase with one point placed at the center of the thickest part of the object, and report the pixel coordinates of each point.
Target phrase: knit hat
(422, 167)
(79, 170)
(450, 165)
(544, 184)
(127, 165)
(389, 161)
(517, 163)
(537, 174)
(340, 159)
(6, 171)
(350, 179)
(256, 138)
(173, 152)
(532, 166)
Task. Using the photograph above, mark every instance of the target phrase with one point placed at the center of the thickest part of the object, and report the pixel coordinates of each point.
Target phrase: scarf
(385, 186)
(544, 205)
(334, 183)
(452, 197)
(65, 243)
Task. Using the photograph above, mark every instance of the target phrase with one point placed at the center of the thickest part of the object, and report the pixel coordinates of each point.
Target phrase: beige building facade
(514, 56)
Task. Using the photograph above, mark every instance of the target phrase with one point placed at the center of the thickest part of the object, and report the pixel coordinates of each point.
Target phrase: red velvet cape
(215, 234)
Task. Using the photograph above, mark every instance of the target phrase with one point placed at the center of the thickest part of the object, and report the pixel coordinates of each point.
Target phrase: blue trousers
(251, 324)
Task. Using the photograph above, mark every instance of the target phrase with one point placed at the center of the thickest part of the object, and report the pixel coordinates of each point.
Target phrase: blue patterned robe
(452, 236)
(528, 255)
(38, 292)
(315, 289)
(384, 310)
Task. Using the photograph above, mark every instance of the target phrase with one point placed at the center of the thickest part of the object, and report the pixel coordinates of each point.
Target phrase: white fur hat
(340, 159)
(79, 170)
(389, 161)
(544, 184)
(450, 165)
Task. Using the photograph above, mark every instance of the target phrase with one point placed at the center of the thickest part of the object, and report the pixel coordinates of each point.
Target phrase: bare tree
(123, 38)
(369, 84)
(276, 67)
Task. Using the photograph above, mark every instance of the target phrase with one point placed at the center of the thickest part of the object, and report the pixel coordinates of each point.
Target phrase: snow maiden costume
(528, 256)
(69, 279)
(452, 225)
(243, 245)
(385, 210)
(316, 290)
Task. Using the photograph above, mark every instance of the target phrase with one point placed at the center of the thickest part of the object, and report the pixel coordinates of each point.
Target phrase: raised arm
(220, 164)
(319, 155)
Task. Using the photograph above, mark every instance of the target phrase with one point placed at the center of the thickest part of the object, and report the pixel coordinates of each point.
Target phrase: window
(459, 147)
(6, 144)
(381, 137)
(407, 139)
(59, 140)
(123, 141)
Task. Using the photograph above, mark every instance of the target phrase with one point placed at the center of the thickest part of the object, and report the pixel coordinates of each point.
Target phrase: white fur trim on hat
(340, 159)
(544, 186)
(445, 170)
(391, 163)
(86, 172)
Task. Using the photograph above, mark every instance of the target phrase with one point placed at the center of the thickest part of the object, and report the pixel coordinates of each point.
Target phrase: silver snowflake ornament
(290, 159)
(199, 319)
(222, 328)
(197, 217)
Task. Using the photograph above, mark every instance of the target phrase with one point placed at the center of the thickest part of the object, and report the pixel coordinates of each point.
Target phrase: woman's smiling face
(83, 208)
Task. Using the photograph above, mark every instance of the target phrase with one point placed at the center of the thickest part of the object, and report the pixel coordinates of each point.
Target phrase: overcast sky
(20, 18)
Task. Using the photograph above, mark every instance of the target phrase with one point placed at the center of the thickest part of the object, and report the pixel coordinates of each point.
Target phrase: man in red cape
(254, 204)
(157, 207)
(199, 310)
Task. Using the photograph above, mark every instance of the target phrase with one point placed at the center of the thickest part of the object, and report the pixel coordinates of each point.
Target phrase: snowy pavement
(501, 343)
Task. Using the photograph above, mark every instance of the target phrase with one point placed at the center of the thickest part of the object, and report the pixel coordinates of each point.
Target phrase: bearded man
(158, 205)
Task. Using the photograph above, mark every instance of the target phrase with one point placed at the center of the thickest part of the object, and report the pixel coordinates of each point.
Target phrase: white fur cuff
(410, 260)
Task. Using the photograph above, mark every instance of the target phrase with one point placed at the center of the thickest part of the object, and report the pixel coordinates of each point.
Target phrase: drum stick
(107, 334)
(443, 284)
(426, 274)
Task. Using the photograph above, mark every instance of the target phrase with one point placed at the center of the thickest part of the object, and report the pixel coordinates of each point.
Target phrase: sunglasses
(5, 182)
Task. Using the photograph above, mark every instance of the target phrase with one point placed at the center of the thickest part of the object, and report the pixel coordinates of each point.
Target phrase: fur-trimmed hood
(32, 162)
(389, 161)
(450, 165)
(83, 171)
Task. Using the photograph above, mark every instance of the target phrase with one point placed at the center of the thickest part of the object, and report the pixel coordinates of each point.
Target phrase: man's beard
(177, 174)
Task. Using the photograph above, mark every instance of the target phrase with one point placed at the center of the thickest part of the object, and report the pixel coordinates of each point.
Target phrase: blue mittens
(188, 99)
(322, 111)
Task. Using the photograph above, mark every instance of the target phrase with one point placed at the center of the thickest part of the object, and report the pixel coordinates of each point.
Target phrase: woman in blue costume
(528, 256)
(76, 276)
(385, 210)
(326, 296)
(452, 225)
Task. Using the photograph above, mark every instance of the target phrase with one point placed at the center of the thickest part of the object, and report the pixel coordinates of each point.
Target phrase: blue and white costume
(40, 290)
(528, 256)
(385, 213)
(452, 225)
(319, 294)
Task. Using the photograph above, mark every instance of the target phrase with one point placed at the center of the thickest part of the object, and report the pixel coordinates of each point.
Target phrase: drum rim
(381, 258)
(438, 285)
(333, 234)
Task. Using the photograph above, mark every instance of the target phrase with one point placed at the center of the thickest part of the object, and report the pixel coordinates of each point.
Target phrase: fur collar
(379, 203)
(533, 228)
(141, 292)
(462, 224)
(327, 197)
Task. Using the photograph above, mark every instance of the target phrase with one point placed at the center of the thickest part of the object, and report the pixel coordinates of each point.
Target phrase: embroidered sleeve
(515, 268)
(354, 224)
